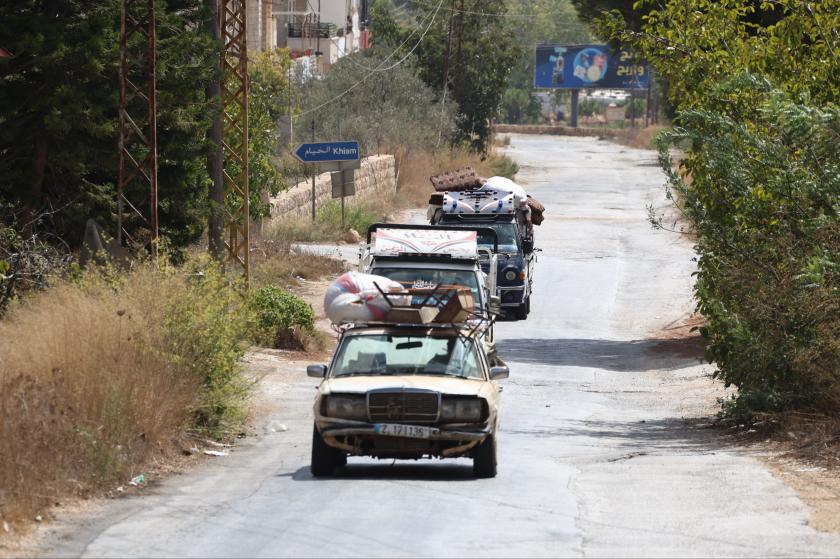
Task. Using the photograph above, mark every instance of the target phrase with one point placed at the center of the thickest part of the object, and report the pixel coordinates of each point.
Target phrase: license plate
(410, 431)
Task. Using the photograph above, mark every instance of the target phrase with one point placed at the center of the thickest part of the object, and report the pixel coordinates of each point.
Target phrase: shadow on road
(635, 438)
(612, 355)
(403, 471)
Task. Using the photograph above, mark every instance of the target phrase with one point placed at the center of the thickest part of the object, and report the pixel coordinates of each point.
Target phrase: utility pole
(459, 34)
(137, 138)
(234, 89)
(448, 50)
(213, 91)
(573, 121)
(314, 172)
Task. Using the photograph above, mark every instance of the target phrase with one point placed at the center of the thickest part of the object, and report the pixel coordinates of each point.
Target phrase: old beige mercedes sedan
(406, 392)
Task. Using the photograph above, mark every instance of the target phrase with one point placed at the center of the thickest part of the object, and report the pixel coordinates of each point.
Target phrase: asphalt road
(595, 454)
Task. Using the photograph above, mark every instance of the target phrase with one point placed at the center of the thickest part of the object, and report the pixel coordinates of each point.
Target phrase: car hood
(444, 385)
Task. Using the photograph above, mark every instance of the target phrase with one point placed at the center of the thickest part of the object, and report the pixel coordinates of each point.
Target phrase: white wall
(254, 24)
(333, 11)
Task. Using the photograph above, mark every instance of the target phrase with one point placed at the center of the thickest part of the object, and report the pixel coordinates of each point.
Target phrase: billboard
(588, 67)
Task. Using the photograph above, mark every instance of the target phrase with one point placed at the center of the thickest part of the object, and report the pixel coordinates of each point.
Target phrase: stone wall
(377, 176)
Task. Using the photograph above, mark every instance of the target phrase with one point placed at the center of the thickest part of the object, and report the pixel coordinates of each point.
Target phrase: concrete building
(322, 30)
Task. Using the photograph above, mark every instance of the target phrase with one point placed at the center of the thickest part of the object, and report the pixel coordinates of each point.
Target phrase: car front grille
(404, 406)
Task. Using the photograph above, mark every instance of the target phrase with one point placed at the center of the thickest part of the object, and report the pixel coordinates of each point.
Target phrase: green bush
(504, 166)
(356, 216)
(205, 327)
(281, 318)
(635, 108)
(764, 197)
(590, 107)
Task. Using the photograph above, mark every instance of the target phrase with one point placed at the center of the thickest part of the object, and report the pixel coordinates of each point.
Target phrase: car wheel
(324, 457)
(484, 458)
(521, 311)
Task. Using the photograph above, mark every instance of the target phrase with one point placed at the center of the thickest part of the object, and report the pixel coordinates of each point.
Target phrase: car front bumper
(360, 438)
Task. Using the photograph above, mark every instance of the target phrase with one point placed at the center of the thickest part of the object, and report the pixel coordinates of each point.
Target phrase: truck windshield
(428, 277)
(406, 354)
(505, 232)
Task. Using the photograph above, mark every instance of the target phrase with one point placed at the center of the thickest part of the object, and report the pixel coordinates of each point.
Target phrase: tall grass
(414, 188)
(102, 375)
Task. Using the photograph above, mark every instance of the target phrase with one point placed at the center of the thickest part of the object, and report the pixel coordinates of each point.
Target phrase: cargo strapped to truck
(441, 306)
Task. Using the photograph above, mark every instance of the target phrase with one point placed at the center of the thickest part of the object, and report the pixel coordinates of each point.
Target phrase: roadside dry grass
(87, 397)
(640, 138)
(274, 262)
(327, 226)
(414, 188)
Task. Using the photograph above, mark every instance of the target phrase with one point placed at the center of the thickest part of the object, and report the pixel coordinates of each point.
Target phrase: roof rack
(440, 306)
(475, 329)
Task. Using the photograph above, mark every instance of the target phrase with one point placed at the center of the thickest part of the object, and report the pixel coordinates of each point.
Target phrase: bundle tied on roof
(458, 180)
(537, 210)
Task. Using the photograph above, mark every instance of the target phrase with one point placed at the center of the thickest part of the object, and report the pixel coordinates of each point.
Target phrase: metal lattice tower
(234, 81)
(138, 162)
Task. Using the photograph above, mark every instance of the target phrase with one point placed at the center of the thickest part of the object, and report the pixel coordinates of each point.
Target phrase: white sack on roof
(502, 184)
(353, 297)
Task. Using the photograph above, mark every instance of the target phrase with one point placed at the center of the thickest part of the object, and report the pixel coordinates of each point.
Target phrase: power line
(379, 67)
(387, 58)
(485, 14)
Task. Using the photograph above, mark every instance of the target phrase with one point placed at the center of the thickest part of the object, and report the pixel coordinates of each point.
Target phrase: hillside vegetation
(756, 85)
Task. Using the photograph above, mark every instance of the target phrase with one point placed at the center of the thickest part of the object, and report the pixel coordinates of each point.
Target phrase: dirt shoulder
(810, 471)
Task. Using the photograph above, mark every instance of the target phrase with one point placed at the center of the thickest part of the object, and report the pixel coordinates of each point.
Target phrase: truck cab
(515, 260)
(422, 256)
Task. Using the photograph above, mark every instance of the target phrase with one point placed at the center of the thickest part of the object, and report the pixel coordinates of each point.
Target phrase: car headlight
(346, 407)
(461, 409)
(510, 275)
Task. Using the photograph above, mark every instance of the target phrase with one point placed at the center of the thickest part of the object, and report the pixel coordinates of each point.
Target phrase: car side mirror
(497, 373)
(528, 245)
(317, 371)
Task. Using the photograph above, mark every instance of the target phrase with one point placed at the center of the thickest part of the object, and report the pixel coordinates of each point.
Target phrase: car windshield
(406, 354)
(427, 277)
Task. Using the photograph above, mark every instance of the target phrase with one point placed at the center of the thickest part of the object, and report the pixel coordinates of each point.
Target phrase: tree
(540, 22)
(631, 11)
(58, 110)
(759, 185)
(543, 22)
(520, 106)
(482, 50)
(268, 102)
(405, 116)
(697, 44)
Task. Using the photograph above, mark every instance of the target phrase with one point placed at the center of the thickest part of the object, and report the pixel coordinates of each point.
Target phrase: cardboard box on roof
(411, 315)
(458, 307)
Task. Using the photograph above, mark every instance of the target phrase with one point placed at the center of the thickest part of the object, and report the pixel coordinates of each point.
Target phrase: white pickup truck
(420, 256)
(424, 256)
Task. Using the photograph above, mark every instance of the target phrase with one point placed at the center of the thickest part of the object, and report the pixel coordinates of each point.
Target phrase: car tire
(324, 457)
(484, 458)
